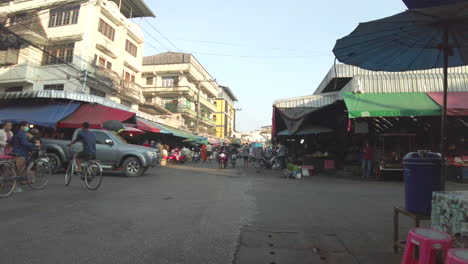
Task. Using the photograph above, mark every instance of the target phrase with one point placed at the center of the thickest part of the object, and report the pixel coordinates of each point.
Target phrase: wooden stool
(400, 244)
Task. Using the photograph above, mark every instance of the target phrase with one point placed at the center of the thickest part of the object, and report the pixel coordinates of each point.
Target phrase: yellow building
(225, 115)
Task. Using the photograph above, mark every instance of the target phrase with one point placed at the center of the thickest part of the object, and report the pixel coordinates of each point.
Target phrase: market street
(195, 214)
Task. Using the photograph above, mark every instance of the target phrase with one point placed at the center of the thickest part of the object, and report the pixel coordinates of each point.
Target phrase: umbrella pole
(443, 134)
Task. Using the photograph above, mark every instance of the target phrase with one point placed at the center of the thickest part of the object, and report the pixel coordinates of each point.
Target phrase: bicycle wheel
(38, 173)
(71, 171)
(93, 176)
(7, 173)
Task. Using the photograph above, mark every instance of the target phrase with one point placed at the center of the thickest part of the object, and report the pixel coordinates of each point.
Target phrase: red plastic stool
(428, 242)
(457, 256)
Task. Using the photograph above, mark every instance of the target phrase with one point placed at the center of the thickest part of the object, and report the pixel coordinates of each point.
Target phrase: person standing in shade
(209, 150)
(282, 155)
(5, 136)
(367, 158)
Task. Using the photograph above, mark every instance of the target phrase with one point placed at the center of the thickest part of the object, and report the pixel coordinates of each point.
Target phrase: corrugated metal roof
(348, 71)
(66, 95)
(306, 101)
(407, 83)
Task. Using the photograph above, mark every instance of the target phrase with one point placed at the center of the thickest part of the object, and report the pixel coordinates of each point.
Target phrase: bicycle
(91, 172)
(37, 171)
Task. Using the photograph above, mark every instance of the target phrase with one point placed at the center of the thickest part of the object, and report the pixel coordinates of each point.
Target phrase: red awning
(147, 127)
(457, 103)
(94, 114)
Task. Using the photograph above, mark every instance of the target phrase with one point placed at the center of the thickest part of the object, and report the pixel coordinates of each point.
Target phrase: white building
(87, 46)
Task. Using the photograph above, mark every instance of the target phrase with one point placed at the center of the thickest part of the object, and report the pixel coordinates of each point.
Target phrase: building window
(131, 48)
(101, 62)
(128, 76)
(170, 81)
(96, 92)
(64, 16)
(56, 87)
(149, 80)
(106, 29)
(148, 100)
(126, 103)
(14, 89)
(58, 54)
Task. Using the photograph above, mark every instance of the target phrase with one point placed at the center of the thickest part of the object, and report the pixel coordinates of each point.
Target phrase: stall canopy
(145, 126)
(457, 103)
(38, 114)
(393, 104)
(309, 130)
(96, 114)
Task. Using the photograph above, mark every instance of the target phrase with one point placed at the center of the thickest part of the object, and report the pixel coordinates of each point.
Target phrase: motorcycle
(196, 156)
(270, 162)
(177, 157)
(222, 160)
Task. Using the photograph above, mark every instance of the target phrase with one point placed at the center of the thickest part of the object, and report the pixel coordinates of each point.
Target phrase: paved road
(196, 214)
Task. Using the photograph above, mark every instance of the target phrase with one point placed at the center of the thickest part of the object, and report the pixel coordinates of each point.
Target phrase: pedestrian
(282, 151)
(209, 150)
(245, 155)
(203, 152)
(5, 136)
(367, 158)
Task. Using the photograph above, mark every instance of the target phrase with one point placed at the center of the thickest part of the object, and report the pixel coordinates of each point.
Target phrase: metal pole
(198, 109)
(443, 134)
(85, 79)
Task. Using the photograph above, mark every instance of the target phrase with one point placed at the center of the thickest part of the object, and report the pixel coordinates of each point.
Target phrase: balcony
(18, 74)
(169, 91)
(208, 104)
(103, 78)
(131, 91)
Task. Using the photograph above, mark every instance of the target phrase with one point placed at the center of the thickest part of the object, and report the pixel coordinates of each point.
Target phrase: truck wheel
(54, 161)
(132, 167)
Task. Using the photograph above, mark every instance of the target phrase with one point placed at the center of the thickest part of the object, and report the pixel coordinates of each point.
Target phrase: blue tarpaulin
(37, 114)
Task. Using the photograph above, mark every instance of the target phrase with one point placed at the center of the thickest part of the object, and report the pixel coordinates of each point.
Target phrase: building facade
(225, 115)
(179, 83)
(87, 46)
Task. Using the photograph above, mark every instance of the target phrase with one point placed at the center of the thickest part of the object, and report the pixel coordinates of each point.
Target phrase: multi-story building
(178, 82)
(83, 46)
(225, 112)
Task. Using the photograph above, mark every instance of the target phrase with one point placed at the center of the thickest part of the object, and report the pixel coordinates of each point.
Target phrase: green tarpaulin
(392, 104)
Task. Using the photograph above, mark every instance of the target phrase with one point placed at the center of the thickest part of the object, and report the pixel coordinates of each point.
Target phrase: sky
(263, 50)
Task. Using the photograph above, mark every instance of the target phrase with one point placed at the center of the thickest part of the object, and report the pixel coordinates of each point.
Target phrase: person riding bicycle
(88, 139)
(21, 147)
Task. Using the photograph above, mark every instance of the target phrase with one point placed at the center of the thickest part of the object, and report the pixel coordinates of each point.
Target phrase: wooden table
(400, 244)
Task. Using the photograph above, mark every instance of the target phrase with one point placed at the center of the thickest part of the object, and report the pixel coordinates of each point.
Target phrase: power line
(159, 32)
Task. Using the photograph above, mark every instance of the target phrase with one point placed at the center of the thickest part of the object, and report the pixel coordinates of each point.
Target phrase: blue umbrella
(416, 39)
(411, 4)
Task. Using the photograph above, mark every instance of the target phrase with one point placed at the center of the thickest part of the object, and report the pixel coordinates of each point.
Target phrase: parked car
(112, 151)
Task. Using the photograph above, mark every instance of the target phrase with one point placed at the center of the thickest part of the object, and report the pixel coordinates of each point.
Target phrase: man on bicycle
(88, 139)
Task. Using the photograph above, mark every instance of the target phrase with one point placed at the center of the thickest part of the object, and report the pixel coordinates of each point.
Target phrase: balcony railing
(131, 90)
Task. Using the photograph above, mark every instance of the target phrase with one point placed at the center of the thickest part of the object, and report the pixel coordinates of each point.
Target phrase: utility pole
(198, 109)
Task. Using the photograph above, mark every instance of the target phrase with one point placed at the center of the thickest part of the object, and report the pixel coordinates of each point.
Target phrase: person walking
(367, 158)
(209, 150)
(203, 152)
(5, 136)
(282, 150)
(245, 155)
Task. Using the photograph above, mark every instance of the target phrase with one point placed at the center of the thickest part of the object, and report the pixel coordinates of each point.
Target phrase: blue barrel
(421, 171)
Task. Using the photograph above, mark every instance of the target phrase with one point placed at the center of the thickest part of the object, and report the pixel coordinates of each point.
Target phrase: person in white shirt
(5, 136)
(209, 150)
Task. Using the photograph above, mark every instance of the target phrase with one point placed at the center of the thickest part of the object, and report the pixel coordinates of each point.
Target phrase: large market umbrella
(417, 39)
(113, 125)
(131, 131)
(429, 3)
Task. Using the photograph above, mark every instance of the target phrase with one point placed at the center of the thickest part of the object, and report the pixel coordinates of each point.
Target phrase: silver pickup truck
(111, 150)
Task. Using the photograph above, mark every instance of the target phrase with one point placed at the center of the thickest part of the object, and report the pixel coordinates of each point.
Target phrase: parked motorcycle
(270, 162)
(177, 157)
(196, 156)
(222, 160)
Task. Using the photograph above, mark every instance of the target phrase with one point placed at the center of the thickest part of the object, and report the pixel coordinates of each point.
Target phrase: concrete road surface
(198, 214)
